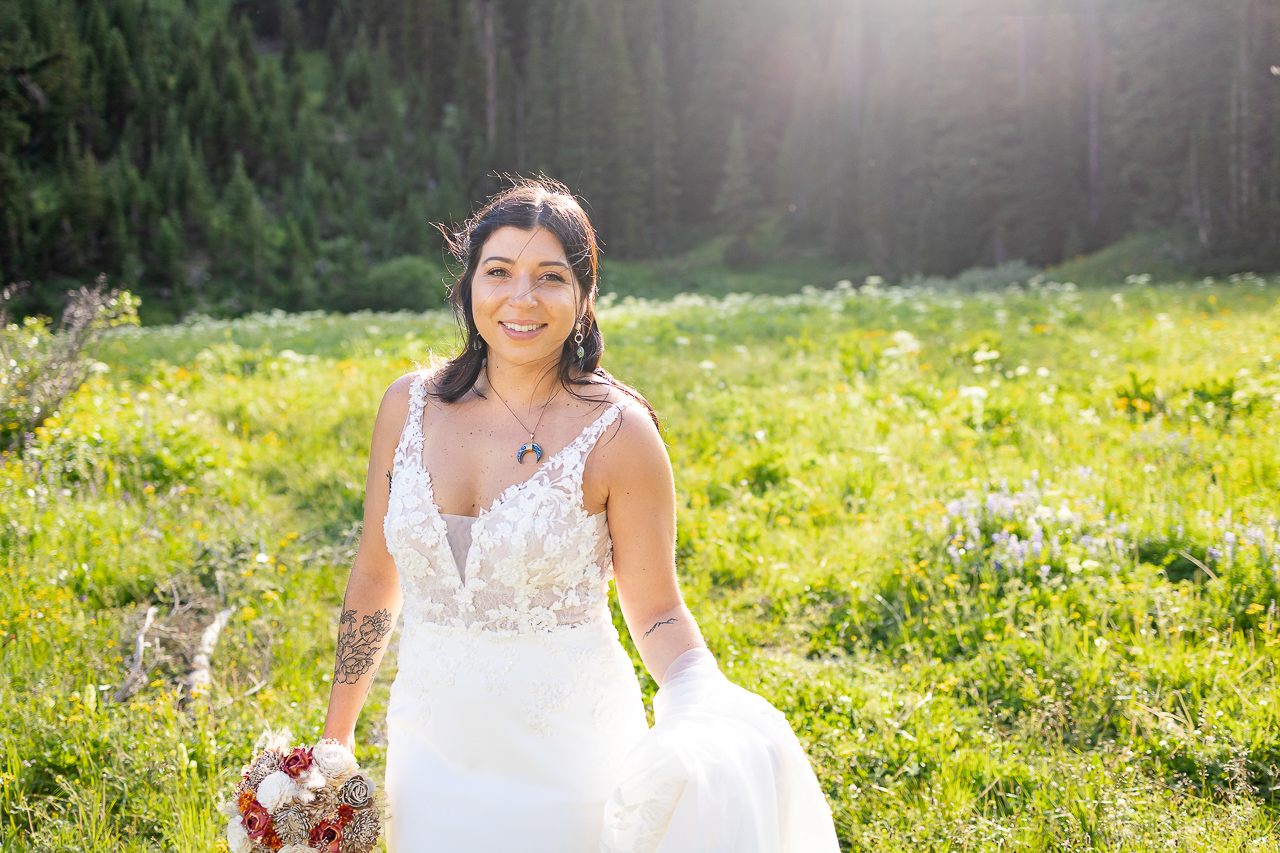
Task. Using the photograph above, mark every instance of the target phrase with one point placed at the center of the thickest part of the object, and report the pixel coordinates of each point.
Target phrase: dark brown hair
(528, 204)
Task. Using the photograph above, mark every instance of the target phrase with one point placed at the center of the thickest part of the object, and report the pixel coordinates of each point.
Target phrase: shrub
(40, 364)
(409, 283)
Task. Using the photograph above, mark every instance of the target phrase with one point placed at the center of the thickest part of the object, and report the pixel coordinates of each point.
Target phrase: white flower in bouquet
(296, 848)
(237, 838)
(309, 780)
(271, 739)
(336, 762)
(276, 790)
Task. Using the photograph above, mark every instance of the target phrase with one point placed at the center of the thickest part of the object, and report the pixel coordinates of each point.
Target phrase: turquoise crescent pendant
(530, 447)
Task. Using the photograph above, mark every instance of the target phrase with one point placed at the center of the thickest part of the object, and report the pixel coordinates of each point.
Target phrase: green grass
(1008, 560)
(1168, 255)
(704, 272)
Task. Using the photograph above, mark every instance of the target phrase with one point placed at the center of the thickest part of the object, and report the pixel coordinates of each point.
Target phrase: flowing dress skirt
(507, 743)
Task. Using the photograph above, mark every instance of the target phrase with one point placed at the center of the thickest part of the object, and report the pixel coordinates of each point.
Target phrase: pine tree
(244, 224)
(447, 199)
(739, 200)
(660, 139)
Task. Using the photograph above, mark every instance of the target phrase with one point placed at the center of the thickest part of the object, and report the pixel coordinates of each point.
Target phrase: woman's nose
(521, 292)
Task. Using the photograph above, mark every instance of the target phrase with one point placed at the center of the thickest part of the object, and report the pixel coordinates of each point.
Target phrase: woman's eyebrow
(509, 261)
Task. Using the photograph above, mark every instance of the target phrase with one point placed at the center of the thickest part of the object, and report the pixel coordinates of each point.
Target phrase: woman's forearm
(663, 637)
(369, 612)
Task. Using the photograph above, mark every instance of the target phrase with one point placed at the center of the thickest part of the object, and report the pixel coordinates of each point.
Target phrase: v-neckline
(438, 517)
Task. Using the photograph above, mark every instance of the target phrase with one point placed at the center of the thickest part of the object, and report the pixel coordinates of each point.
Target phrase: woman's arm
(642, 523)
(372, 601)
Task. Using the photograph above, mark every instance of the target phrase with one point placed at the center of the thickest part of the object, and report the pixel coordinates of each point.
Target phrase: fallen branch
(200, 677)
(136, 675)
(231, 700)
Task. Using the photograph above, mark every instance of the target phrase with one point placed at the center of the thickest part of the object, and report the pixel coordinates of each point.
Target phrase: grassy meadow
(1008, 559)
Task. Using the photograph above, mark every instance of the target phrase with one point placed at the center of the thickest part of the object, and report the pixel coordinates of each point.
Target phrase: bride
(504, 490)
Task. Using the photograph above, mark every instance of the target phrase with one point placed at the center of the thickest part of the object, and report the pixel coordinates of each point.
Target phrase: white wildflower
(904, 344)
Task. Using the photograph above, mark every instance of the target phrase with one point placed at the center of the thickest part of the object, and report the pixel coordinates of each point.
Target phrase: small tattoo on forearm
(656, 624)
(358, 647)
(389, 482)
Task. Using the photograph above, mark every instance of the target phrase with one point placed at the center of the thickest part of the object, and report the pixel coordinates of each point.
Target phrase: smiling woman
(515, 710)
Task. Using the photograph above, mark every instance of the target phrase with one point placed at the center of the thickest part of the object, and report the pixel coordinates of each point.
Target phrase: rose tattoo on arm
(358, 647)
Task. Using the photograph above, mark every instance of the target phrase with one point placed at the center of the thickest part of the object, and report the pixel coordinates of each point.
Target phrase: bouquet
(299, 799)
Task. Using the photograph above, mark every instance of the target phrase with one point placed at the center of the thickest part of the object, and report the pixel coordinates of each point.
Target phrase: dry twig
(137, 675)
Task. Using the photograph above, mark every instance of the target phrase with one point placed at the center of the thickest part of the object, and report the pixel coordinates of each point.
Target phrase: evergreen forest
(232, 156)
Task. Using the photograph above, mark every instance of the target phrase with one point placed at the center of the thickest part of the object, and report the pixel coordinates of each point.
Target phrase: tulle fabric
(507, 743)
(719, 772)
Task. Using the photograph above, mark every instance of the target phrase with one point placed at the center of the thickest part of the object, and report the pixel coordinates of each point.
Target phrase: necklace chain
(545, 406)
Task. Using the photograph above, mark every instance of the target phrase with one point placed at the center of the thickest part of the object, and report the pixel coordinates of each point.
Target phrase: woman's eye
(496, 271)
(553, 277)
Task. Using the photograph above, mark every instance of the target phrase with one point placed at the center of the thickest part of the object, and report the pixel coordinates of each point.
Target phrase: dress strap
(573, 459)
(409, 448)
(592, 434)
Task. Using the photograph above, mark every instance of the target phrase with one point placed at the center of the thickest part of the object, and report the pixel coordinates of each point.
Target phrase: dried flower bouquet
(294, 799)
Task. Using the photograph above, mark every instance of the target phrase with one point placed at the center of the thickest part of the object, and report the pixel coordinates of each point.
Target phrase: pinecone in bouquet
(295, 799)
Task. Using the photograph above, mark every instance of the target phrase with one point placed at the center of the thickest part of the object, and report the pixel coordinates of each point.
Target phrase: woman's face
(524, 296)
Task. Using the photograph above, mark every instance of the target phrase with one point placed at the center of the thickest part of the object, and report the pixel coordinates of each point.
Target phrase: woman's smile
(521, 331)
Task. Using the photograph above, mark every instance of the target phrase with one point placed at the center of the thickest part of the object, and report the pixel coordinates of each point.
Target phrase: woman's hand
(641, 500)
(349, 742)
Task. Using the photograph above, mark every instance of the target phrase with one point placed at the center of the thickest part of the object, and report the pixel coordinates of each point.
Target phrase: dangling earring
(477, 342)
(577, 339)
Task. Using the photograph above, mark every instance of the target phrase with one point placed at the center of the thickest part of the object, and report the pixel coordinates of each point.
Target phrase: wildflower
(904, 344)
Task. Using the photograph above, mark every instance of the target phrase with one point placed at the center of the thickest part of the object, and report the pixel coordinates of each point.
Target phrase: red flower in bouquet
(297, 762)
(257, 820)
(345, 815)
(326, 836)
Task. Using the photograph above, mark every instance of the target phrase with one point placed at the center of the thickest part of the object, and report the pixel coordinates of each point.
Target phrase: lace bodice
(537, 560)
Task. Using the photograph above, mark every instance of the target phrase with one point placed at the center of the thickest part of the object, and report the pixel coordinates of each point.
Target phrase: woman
(504, 489)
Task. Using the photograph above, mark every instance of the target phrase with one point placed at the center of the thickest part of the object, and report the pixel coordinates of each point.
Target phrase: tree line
(297, 153)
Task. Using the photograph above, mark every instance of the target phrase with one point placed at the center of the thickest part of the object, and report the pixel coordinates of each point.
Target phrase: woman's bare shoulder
(400, 390)
(395, 400)
(633, 436)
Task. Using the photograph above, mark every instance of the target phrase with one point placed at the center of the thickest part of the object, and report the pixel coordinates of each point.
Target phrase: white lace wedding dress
(516, 714)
